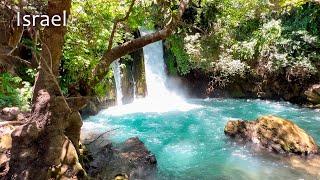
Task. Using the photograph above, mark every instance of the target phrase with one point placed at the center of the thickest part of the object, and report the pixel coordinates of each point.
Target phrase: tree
(54, 127)
(111, 54)
(47, 145)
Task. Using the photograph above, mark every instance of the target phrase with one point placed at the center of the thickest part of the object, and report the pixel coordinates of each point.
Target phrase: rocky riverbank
(273, 87)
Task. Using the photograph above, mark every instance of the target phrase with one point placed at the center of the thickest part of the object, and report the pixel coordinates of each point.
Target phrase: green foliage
(171, 66)
(89, 30)
(238, 34)
(102, 88)
(14, 92)
(182, 58)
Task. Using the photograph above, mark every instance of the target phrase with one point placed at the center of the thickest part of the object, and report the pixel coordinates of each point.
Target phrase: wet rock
(9, 113)
(313, 94)
(90, 109)
(129, 160)
(139, 74)
(94, 105)
(273, 133)
(127, 83)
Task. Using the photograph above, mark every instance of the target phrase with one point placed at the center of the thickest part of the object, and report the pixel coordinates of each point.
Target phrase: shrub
(14, 92)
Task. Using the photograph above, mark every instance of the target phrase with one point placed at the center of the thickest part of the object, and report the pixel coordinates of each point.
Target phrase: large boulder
(313, 94)
(274, 133)
(128, 160)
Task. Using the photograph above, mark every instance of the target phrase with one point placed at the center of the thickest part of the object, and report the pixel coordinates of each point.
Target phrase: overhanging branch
(111, 55)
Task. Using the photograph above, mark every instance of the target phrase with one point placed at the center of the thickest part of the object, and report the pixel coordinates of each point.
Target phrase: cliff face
(133, 81)
(139, 75)
(273, 86)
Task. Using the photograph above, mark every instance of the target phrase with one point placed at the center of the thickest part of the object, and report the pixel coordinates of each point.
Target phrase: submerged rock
(273, 133)
(129, 160)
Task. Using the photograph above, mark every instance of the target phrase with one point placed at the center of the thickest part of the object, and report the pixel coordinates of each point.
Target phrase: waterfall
(117, 77)
(134, 89)
(156, 76)
(159, 97)
(155, 68)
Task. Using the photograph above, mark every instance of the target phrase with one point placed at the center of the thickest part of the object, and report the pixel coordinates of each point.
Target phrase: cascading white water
(117, 77)
(159, 97)
(156, 76)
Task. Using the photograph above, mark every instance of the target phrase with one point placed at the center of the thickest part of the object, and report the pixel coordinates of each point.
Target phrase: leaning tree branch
(111, 55)
(116, 22)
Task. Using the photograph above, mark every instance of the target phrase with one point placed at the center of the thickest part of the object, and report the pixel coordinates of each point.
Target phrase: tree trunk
(46, 147)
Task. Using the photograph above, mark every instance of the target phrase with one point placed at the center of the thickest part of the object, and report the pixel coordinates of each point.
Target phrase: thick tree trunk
(46, 147)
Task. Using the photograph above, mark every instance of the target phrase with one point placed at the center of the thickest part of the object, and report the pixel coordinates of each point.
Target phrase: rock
(139, 74)
(69, 166)
(273, 133)
(5, 146)
(313, 94)
(127, 83)
(9, 113)
(95, 104)
(129, 160)
(90, 109)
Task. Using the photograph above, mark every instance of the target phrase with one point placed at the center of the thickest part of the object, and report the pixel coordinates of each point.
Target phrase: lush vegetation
(234, 38)
(223, 38)
(89, 31)
(14, 92)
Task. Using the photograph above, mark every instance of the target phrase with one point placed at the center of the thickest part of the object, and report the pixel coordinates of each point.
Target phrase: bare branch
(101, 136)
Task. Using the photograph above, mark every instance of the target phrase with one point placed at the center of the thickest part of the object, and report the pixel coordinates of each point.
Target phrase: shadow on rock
(128, 160)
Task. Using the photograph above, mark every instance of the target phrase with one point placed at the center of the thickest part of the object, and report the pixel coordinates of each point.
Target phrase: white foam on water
(148, 105)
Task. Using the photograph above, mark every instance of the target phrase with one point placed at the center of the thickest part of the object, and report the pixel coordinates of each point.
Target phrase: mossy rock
(274, 133)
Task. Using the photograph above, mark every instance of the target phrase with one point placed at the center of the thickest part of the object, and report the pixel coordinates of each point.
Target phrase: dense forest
(247, 49)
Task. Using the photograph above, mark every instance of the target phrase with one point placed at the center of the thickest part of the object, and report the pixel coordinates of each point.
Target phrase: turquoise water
(192, 145)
